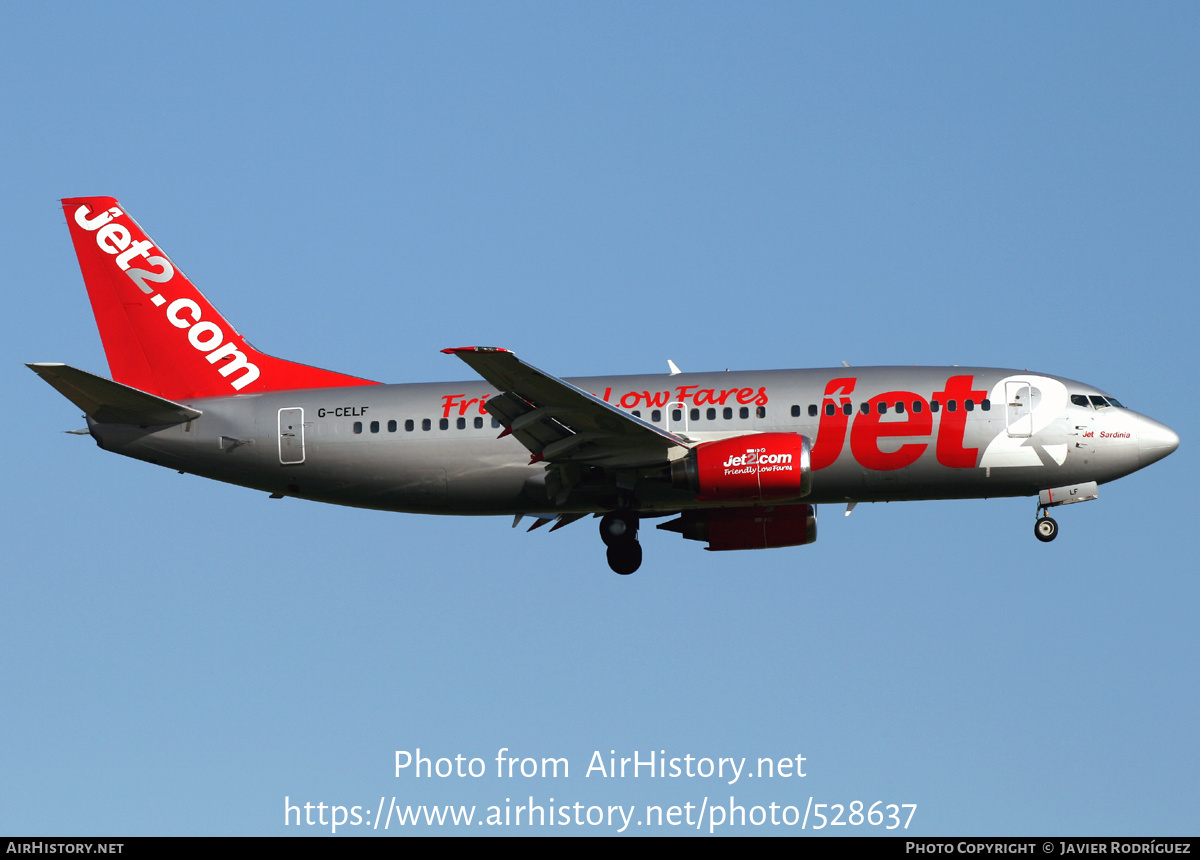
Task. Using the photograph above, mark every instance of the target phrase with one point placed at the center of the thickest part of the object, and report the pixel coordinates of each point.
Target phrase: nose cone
(1155, 440)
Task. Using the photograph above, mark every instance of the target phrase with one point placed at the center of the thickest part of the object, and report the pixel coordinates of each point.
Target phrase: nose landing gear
(1045, 529)
(619, 530)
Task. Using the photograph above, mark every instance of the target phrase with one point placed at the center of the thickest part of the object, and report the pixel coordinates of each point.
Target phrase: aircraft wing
(560, 423)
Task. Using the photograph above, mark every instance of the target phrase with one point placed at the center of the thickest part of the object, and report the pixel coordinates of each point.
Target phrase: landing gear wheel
(618, 527)
(625, 557)
(1046, 529)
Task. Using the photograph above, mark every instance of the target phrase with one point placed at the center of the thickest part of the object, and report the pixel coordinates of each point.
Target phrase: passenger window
(392, 426)
(425, 424)
(899, 407)
(478, 423)
(676, 414)
(637, 413)
(694, 415)
(744, 412)
(969, 405)
(951, 405)
(985, 405)
(408, 425)
(864, 408)
(830, 409)
(711, 415)
(656, 416)
(495, 423)
(374, 426)
(357, 426)
(917, 406)
(934, 406)
(847, 408)
(881, 408)
(727, 413)
(444, 424)
(795, 411)
(761, 412)
(812, 410)
(461, 423)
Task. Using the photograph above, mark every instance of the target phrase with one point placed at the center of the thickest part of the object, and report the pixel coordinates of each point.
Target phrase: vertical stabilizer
(159, 332)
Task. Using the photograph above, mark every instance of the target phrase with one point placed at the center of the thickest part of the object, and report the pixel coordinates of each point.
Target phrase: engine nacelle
(748, 528)
(759, 467)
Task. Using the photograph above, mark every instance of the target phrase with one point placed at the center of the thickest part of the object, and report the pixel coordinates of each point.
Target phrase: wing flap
(532, 427)
(108, 402)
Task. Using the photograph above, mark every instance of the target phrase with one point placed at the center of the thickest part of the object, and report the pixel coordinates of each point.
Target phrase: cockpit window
(1079, 399)
(1098, 401)
(1116, 403)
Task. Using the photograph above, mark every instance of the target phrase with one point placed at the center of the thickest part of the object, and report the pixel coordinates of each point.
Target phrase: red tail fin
(160, 334)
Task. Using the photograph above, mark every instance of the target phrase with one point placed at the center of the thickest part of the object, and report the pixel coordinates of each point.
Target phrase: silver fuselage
(431, 448)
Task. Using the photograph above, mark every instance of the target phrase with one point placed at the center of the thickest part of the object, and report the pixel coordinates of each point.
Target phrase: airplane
(740, 460)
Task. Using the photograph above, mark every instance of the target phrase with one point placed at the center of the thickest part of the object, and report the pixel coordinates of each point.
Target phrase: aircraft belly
(418, 477)
(846, 480)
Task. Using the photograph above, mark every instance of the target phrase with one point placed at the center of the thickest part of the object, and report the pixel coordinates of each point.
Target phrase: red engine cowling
(760, 467)
(748, 528)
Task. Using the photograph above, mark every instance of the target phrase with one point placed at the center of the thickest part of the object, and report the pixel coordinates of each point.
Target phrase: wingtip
(454, 350)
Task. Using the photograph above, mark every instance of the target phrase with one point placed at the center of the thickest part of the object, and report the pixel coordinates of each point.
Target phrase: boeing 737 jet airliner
(739, 460)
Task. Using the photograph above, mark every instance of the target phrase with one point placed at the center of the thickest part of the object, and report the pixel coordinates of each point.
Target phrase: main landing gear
(619, 530)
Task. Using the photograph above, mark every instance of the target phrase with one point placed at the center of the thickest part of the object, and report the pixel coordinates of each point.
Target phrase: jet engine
(757, 467)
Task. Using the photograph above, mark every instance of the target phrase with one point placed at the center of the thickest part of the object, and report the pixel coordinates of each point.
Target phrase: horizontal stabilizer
(108, 402)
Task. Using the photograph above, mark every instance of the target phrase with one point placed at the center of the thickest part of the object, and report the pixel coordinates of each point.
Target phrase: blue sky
(602, 187)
